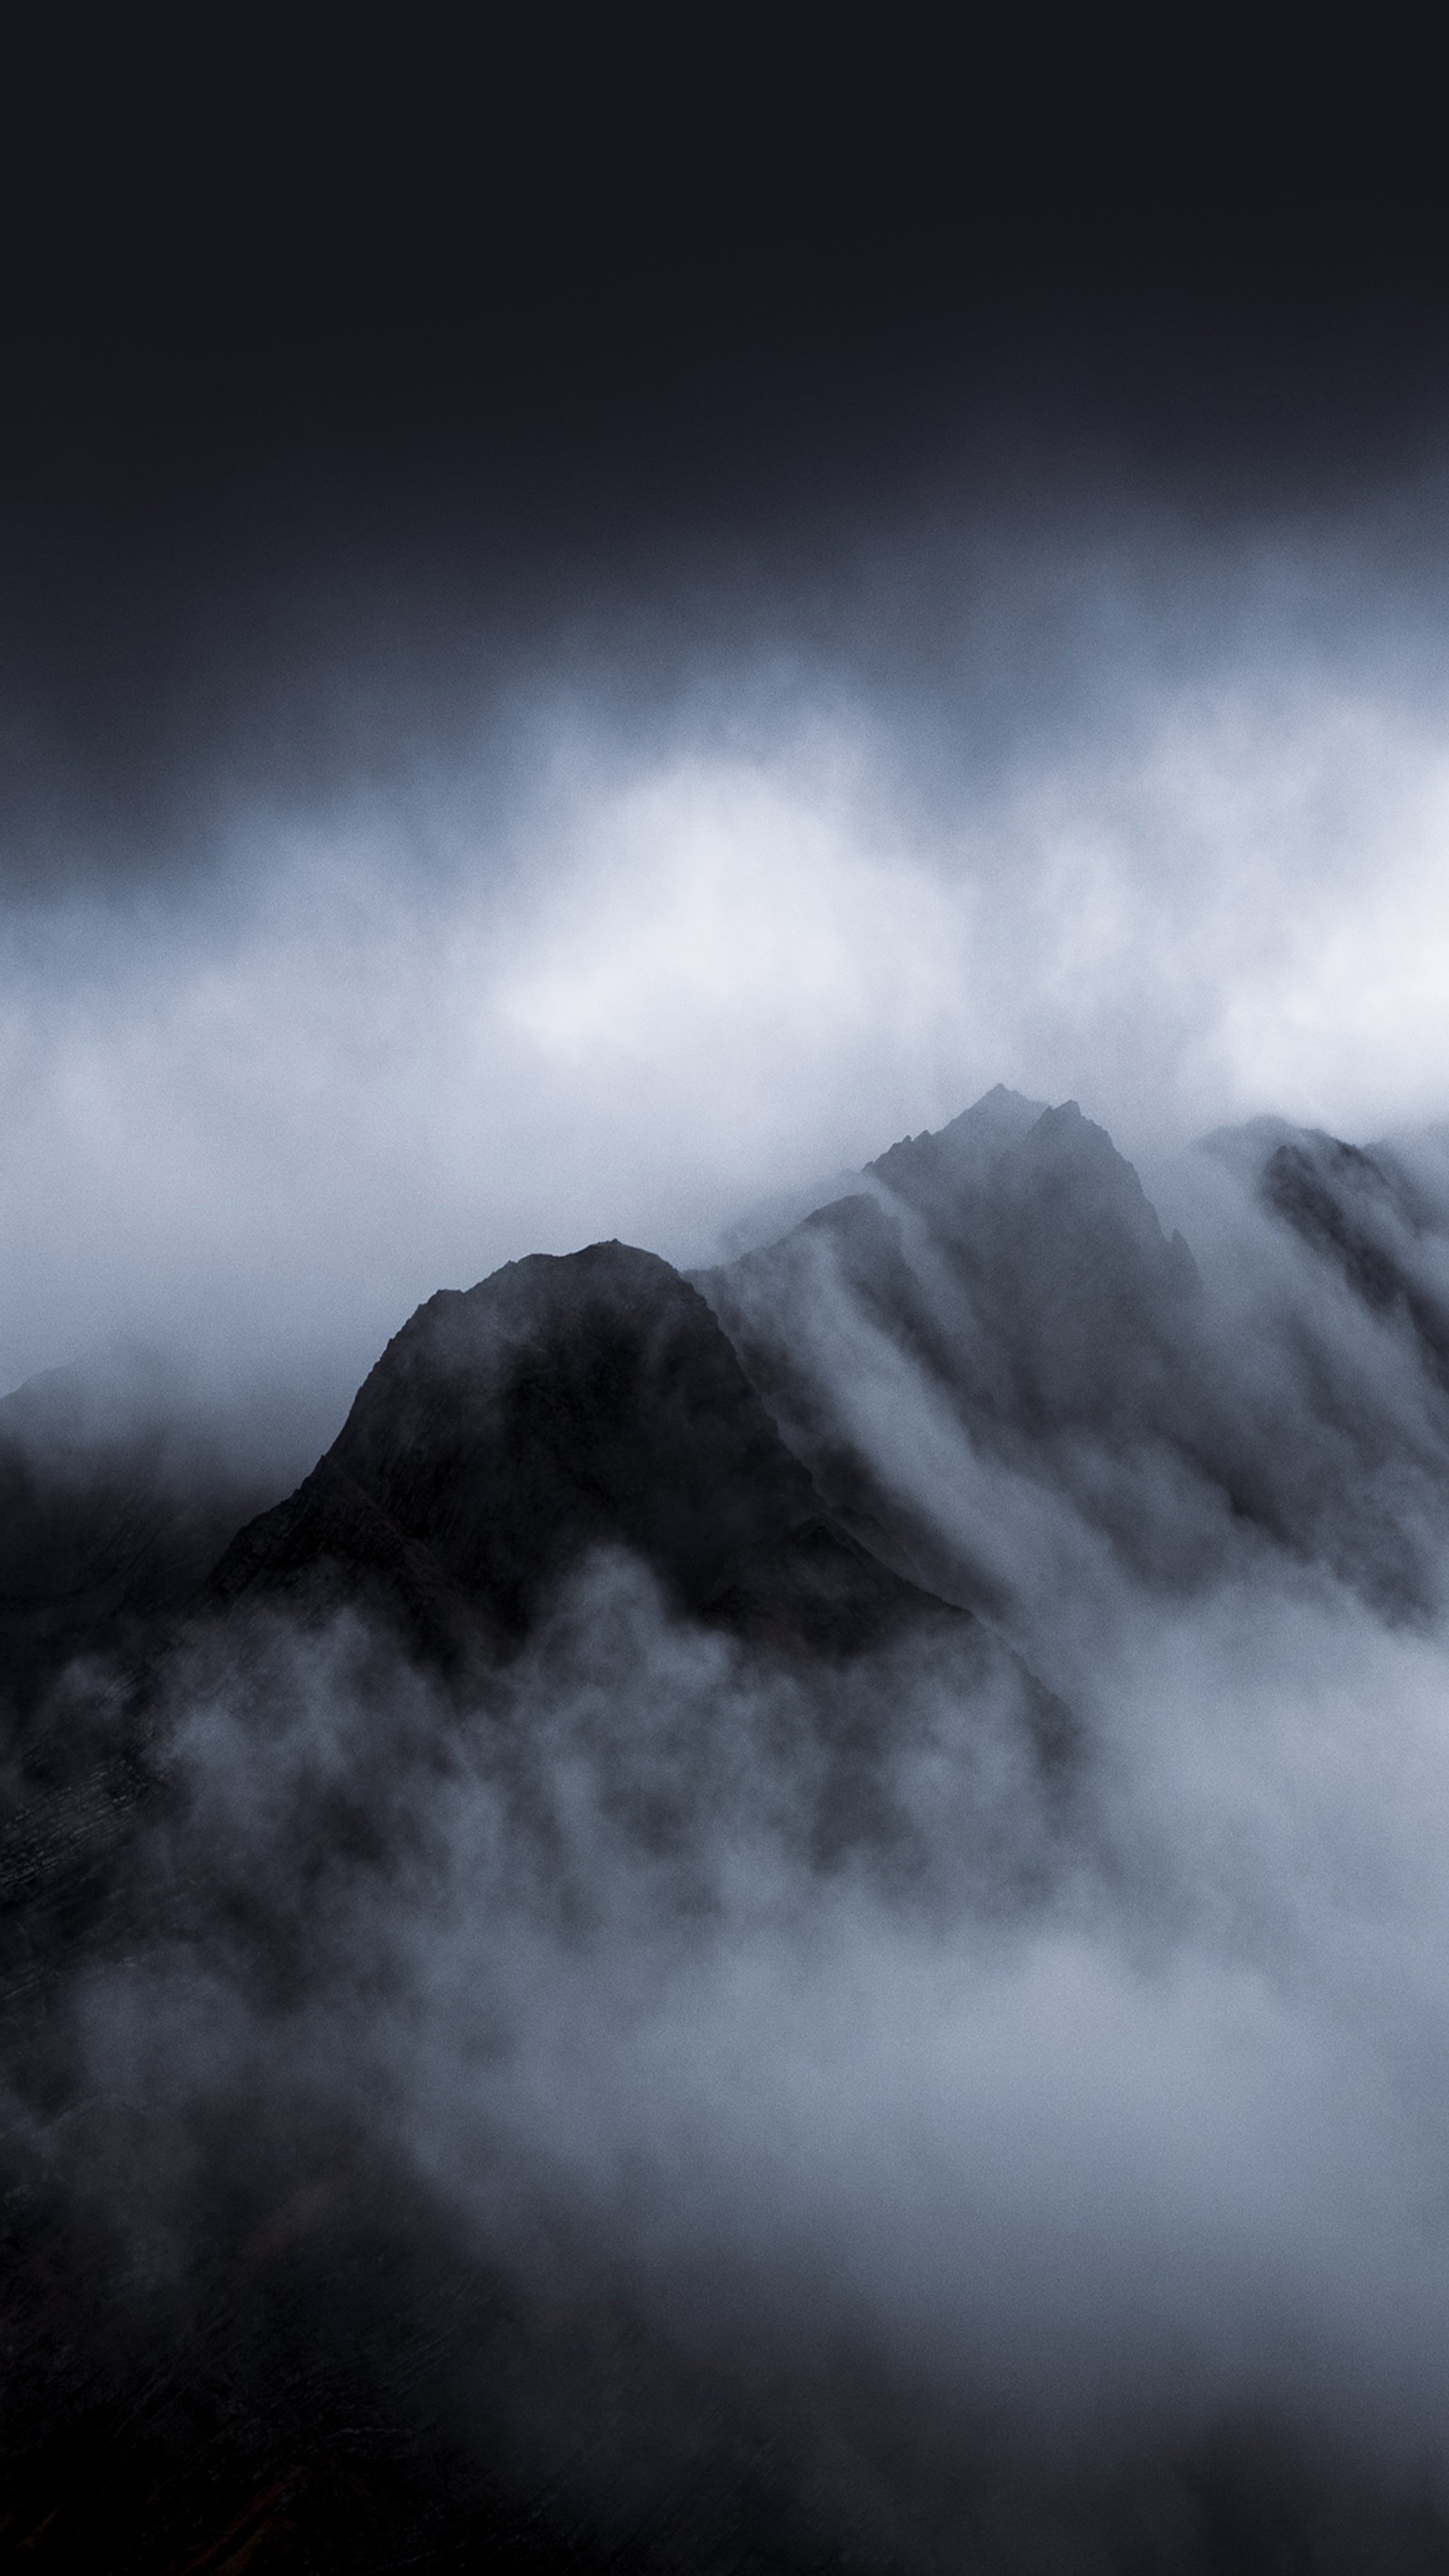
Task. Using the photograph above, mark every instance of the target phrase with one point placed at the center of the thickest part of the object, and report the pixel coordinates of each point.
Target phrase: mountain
(746, 1434)
(1008, 1275)
(332, 1945)
(306, 2364)
(1367, 1213)
(1010, 1265)
(565, 1415)
(563, 1405)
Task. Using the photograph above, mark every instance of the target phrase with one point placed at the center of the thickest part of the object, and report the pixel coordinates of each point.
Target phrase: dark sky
(563, 252)
(549, 294)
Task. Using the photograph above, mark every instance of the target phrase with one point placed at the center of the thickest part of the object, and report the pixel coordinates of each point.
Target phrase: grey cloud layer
(1087, 2132)
(1144, 820)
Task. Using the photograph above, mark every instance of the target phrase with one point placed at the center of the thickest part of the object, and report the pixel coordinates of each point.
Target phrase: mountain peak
(966, 1149)
(568, 1402)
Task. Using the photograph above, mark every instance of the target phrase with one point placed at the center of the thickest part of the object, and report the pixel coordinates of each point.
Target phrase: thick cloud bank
(465, 944)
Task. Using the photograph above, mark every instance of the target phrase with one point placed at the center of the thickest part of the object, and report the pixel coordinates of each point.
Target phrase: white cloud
(708, 955)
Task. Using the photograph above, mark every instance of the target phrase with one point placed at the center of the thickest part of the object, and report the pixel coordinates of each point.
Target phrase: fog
(994, 2167)
(730, 875)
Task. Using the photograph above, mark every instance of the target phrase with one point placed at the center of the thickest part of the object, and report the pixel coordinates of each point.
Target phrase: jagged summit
(1014, 1163)
(1062, 1283)
(1012, 1263)
(563, 1404)
(963, 1149)
(967, 1147)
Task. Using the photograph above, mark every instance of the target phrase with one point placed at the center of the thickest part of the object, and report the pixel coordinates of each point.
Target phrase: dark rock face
(562, 1405)
(1014, 1261)
(1017, 1254)
(1367, 1215)
(1014, 1268)
(1070, 1281)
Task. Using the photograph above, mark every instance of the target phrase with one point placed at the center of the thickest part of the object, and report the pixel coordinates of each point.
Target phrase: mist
(996, 2169)
(724, 1307)
(730, 875)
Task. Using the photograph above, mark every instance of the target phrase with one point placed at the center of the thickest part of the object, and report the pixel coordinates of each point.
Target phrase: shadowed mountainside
(326, 2376)
(1009, 1274)
(563, 1405)
(1368, 1214)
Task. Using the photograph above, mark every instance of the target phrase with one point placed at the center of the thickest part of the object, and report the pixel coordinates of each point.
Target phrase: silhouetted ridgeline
(566, 1405)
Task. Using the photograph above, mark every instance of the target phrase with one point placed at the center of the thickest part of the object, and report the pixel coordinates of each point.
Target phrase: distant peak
(998, 1111)
(995, 1123)
(1001, 1091)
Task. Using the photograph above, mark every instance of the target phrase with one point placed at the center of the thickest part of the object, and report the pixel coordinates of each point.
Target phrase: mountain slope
(1010, 1267)
(566, 1404)
(1009, 1276)
(1367, 1214)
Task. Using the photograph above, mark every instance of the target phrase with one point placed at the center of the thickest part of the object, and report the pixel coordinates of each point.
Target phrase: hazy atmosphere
(727, 883)
(724, 1311)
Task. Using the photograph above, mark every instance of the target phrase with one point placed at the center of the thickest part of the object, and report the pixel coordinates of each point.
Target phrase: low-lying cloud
(1032, 2140)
